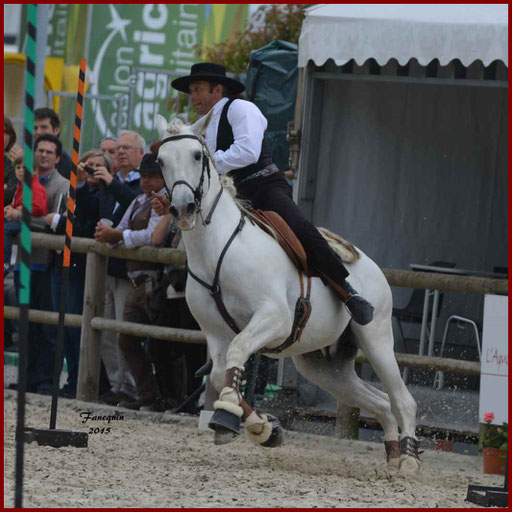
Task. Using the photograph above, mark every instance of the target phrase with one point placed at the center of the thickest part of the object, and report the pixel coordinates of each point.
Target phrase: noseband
(198, 191)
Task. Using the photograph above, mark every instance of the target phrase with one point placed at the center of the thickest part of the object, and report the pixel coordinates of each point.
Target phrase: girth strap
(214, 289)
(301, 316)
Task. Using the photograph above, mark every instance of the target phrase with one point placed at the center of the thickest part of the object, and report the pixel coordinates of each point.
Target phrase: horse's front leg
(265, 327)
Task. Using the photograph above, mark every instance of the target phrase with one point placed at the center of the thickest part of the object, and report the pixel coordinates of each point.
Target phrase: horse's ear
(161, 126)
(199, 127)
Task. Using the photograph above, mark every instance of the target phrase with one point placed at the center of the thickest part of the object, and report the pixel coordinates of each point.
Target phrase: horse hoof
(224, 436)
(409, 466)
(393, 465)
(276, 436)
(224, 420)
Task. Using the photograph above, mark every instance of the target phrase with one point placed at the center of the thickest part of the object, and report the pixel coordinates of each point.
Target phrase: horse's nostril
(191, 208)
(173, 211)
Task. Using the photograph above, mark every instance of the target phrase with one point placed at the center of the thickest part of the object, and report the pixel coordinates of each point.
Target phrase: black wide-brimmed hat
(208, 72)
(149, 164)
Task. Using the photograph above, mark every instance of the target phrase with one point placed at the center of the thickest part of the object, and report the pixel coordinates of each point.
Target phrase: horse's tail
(344, 249)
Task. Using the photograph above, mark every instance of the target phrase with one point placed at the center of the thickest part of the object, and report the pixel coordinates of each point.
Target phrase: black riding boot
(273, 193)
(361, 309)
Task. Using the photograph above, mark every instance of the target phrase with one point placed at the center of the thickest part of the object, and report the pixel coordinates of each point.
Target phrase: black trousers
(273, 193)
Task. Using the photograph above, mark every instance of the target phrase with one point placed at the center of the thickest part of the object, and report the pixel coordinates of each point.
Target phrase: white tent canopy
(467, 32)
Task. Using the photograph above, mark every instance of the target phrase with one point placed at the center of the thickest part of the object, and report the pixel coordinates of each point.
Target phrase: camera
(89, 170)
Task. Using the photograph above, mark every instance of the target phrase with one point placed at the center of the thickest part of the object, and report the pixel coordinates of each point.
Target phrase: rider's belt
(266, 171)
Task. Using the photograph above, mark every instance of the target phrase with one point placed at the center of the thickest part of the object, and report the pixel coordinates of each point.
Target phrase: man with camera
(107, 195)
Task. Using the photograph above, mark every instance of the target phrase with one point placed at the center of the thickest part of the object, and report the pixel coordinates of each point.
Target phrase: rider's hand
(160, 203)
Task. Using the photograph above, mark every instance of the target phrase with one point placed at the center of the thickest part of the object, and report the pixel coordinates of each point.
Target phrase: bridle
(214, 289)
(198, 191)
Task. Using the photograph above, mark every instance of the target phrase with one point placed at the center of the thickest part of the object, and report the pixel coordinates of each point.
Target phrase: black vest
(225, 139)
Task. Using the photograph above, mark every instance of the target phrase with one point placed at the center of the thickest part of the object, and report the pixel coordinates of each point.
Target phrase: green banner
(152, 38)
(66, 31)
(118, 40)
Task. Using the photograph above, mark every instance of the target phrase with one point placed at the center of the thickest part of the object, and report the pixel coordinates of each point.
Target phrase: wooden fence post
(347, 422)
(347, 418)
(94, 302)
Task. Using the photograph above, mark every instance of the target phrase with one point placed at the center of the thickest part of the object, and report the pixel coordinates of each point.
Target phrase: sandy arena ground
(155, 460)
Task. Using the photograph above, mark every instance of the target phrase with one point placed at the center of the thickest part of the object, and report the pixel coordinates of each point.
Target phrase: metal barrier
(92, 323)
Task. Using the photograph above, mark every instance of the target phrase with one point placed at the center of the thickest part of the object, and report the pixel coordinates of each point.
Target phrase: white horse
(260, 287)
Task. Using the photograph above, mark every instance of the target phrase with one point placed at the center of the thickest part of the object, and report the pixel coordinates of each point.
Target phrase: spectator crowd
(115, 187)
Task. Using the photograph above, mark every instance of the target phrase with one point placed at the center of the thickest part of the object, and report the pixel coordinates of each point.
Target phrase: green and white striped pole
(26, 247)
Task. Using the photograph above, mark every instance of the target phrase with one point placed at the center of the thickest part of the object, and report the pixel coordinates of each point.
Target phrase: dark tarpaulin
(272, 86)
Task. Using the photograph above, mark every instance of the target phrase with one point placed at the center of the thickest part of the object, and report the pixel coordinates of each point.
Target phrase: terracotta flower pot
(493, 465)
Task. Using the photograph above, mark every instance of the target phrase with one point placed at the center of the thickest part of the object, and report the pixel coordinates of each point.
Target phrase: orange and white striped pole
(69, 235)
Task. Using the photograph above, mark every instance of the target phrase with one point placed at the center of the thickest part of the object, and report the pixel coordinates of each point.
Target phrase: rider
(235, 137)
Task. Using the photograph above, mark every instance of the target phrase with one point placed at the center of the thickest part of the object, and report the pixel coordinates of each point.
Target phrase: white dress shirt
(248, 125)
(139, 237)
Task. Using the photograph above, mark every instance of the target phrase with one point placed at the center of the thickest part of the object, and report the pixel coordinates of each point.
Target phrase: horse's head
(186, 167)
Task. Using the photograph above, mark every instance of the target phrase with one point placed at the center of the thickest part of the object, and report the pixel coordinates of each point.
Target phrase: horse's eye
(160, 162)
(197, 156)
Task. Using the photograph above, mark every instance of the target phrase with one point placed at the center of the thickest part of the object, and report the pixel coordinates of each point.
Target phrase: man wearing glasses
(114, 198)
(110, 146)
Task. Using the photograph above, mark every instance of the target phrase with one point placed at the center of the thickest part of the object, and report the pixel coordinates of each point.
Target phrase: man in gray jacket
(41, 338)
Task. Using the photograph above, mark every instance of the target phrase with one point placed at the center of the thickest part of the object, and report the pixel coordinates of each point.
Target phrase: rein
(213, 289)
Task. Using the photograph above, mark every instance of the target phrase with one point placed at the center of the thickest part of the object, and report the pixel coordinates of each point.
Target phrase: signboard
(156, 37)
(115, 38)
(494, 367)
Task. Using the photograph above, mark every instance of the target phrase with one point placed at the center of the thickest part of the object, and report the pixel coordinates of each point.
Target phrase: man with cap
(235, 137)
(135, 230)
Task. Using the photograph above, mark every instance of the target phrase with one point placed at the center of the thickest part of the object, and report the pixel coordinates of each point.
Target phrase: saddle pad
(285, 236)
(344, 249)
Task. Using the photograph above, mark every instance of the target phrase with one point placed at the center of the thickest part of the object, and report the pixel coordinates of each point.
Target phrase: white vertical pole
(41, 43)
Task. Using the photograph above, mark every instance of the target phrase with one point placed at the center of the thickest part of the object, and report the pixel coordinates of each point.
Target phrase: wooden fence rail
(98, 252)
(402, 278)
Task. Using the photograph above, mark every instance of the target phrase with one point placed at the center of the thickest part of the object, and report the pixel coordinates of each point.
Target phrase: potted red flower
(494, 446)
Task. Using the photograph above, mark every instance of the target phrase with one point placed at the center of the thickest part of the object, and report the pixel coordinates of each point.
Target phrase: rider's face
(203, 96)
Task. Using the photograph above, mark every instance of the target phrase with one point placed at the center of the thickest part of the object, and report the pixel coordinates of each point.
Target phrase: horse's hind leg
(339, 378)
(376, 341)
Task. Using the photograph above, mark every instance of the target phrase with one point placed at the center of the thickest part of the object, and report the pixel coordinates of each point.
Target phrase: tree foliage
(269, 23)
